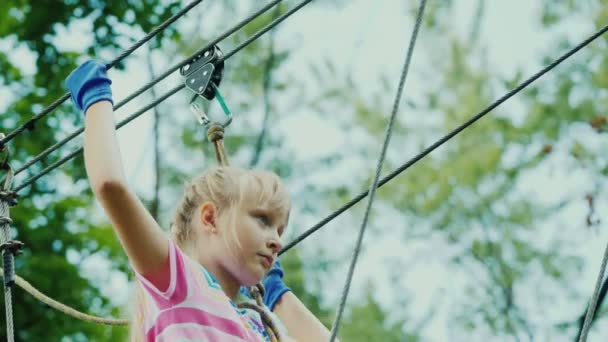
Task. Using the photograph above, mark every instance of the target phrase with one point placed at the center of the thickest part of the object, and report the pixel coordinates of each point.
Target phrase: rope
(257, 292)
(62, 307)
(6, 197)
(447, 137)
(5, 236)
(29, 288)
(594, 298)
(8, 302)
(22, 283)
(152, 83)
(165, 96)
(215, 134)
(374, 186)
(30, 123)
(266, 320)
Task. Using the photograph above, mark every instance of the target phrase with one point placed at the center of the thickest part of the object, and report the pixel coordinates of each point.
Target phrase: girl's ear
(208, 216)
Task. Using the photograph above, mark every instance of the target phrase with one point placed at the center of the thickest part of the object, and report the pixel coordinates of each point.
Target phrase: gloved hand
(89, 84)
(274, 286)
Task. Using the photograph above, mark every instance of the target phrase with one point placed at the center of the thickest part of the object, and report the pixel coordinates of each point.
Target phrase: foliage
(56, 226)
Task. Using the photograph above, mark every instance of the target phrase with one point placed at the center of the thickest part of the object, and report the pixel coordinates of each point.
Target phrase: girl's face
(256, 236)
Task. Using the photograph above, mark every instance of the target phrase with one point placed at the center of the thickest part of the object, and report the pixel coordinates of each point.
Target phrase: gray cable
(170, 93)
(151, 83)
(396, 172)
(374, 186)
(594, 298)
(30, 123)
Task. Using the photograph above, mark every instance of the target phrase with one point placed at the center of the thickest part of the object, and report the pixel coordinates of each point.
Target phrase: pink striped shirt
(194, 307)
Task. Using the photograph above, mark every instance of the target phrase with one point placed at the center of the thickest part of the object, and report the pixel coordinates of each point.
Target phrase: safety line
(594, 298)
(165, 96)
(447, 137)
(30, 123)
(374, 186)
(151, 83)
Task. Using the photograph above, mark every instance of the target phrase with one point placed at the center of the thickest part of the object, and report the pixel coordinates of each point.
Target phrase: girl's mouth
(266, 260)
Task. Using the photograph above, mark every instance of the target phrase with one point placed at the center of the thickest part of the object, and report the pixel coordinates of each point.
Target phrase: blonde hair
(226, 187)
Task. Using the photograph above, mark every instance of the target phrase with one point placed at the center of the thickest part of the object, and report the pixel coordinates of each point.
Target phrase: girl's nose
(274, 244)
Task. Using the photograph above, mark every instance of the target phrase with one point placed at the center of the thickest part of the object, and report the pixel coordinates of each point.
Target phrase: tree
(481, 192)
(54, 223)
(58, 223)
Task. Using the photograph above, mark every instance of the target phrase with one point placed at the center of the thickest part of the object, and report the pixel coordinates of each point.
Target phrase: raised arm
(141, 237)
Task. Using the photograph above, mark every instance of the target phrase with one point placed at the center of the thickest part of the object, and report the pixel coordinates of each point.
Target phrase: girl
(226, 234)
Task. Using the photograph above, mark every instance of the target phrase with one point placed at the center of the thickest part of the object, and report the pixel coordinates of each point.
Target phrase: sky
(371, 40)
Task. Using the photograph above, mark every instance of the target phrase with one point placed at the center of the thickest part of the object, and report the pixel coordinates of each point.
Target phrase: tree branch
(267, 82)
(154, 206)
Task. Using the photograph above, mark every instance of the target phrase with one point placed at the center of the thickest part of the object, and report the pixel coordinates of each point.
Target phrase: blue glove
(89, 84)
(274, 286)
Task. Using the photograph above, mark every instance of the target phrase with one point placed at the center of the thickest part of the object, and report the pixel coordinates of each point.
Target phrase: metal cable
(443, 140)
(594, 298)
(165, 96)
(600, 300)
(374, 186)
(187, 60)
(30, 123)
(153, 82)
(413, 160)
(76, 152)
(266, 29)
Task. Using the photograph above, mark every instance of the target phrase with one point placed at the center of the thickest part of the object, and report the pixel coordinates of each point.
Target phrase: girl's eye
(264, 219)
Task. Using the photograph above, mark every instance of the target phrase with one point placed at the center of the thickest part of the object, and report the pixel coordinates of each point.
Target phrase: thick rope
(257, 292)
(6, 197)
(165, 96)
(150, 84)
(7, 262)
(594, 298)
(215, 134)
(447, 137)
(30, 123)
(374, 186)
(266, 320)
(5, 236)
(8, 302)
(405, 166)
(29, 288)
